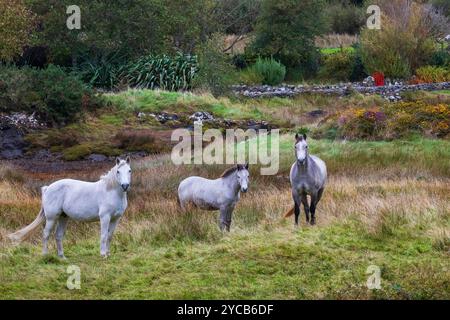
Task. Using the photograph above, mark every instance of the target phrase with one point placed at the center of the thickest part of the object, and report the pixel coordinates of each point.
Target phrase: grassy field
(386, 204)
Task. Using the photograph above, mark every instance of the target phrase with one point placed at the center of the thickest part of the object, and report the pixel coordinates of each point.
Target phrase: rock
(162, 117)
(366, 87)
(11, 143)
(201, 116)
(97, 157)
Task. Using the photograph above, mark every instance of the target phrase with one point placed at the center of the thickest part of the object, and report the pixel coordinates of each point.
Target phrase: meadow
(386, 204)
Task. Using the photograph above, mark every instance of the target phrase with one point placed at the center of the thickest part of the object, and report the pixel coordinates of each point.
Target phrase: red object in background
(379, 79)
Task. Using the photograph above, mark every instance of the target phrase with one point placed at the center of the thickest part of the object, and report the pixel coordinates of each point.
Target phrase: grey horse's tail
(22, 234)
(289, 213)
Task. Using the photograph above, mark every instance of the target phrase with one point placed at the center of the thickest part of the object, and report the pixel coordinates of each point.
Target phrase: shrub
(249, 76)
(440, 58)
(406, 40)
(431, 74)
(337, 66)
(286, 30)
(53, 95)
(270, 71)
(390, 121)
(161, 71)
(345, 18)
(215, 70)
(101, 71)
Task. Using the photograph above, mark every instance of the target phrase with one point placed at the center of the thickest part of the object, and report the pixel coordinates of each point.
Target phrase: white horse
(104, 200)
(219, 194)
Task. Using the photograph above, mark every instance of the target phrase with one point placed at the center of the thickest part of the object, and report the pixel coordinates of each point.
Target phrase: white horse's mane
(110, 177)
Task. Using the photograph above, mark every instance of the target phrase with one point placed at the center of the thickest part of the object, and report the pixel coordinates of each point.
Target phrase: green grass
(327, 51)
(281, 264)
(385, 205)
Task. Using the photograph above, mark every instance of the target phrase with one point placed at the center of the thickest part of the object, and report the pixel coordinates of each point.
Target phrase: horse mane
(109, 178)
(228, 172)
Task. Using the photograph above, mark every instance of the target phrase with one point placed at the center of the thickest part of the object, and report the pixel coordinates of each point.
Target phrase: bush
(390, 121)
(249, 76)
(162, 71)
(286, 30)
(55, 97)
(338, 66)
(271, 72)
(406, 40)
(345, 18)
(101, 71)
(440, 58)
(431, 74)
(215, 70)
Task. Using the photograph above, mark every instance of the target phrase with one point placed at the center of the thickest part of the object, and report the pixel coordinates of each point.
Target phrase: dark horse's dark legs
(314, 201)
(305, 206)
(296, 212)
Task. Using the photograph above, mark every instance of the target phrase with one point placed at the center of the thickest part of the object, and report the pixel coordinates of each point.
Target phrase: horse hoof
(63, 257)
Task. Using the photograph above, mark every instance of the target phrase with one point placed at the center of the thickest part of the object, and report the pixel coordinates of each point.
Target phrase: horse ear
(296, 136)
(246, 166)
(304, 136)
(117, 161)
(128, 160)
(239, 167)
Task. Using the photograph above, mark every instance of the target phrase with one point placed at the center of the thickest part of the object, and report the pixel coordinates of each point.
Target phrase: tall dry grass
(382, 201)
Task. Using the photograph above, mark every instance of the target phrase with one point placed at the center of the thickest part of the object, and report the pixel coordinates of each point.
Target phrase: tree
(16, 23)
(407, 38)
(286, 30)
(132, 27)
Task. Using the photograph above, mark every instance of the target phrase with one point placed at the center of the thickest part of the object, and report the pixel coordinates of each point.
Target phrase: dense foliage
(406, 41)
(16, 22)
(286, 30)
(164, 72)
(51, 94)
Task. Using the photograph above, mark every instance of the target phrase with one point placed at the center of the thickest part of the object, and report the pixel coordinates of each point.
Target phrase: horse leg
(296, 207)
(60, 231)
(104, 228)
(49, 224)
(223, 219)
(305, 206)
(228, 218)
(314, 201)
(112, 226)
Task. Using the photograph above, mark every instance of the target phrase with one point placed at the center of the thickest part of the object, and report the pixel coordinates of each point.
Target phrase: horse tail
(23, 233)
(289, 213)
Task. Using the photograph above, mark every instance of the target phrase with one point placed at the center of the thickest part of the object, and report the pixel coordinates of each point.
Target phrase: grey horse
(218, 194)
(308, 176)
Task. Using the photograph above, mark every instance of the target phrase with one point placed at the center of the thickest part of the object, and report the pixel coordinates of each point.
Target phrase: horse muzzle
(125, 187)
(301, 162)
(244, 190)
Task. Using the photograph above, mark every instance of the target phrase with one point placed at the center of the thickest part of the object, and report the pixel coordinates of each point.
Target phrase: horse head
(243, 176)
(301, 148)
(123, 173)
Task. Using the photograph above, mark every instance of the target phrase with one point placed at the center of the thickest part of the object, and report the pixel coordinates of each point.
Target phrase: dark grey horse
(308, 176)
